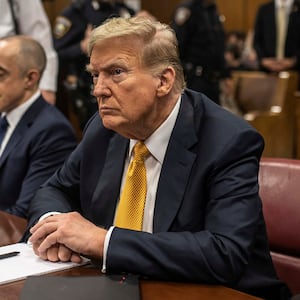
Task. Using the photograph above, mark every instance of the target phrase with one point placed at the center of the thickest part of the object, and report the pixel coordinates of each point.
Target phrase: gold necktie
(281, 31)
(130, 211)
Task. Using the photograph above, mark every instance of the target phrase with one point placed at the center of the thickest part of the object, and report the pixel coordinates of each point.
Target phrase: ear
(166, 82)
(32, 78)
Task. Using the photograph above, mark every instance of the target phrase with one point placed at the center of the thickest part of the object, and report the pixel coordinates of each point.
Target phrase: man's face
(126, 92)
(12, 84)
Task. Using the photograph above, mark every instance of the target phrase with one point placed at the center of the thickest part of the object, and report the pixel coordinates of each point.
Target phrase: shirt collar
(14, 116)
(157, 143)
(287, 3)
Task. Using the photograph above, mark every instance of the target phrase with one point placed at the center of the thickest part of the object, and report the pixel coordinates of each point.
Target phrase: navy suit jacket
(208, 225)
(38, 146)
(265, 32)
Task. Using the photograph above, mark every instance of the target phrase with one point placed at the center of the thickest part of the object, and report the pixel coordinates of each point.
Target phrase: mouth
(104, 110)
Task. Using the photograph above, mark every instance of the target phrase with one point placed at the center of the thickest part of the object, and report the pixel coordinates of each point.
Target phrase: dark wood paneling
(162, 10)
(239, 14)
(233, 12)
(54, 7)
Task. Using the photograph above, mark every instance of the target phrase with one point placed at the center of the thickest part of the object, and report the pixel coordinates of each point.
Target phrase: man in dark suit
(266, 36)
(38, 137)
(202, 217)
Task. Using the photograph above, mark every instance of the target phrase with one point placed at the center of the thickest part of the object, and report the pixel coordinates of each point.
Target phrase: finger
(35, 248)
(76, 258)
(42, 231)
(49, 219)
(49, 241)
(52, 253)
(35, 227)
(64, 253)
(42, 255)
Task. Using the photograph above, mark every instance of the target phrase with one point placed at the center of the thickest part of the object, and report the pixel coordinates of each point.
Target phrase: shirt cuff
(46, 215)
(106, 243)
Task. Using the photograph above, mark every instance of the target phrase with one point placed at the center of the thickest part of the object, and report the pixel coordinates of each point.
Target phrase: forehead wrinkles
(106, 54)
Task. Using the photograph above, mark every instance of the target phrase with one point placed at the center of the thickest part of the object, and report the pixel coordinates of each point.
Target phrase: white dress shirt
(286, 3)
(13, 118)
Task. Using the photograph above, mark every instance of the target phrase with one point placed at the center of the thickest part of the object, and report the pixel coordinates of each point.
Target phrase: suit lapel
(107, 190)
(176, 168)
(21, 129)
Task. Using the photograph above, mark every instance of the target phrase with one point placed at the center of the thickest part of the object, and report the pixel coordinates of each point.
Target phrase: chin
(109, 124)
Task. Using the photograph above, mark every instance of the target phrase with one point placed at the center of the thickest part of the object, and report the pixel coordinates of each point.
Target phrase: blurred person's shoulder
(124, 10)
(78, 4)
(65, 20)
(183, 12)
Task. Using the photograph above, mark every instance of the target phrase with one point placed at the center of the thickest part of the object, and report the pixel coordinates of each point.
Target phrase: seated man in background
(29, 18)
(35, 137)
(195, 214)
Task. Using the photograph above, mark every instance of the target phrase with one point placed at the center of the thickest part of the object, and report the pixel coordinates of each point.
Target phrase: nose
(101, 88)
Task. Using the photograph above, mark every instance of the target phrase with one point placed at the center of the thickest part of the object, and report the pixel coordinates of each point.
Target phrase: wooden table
(11, 229)
(150, 290)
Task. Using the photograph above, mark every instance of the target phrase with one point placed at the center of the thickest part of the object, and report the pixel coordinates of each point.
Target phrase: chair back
(279, 181)
(267, 101)
(258, 92)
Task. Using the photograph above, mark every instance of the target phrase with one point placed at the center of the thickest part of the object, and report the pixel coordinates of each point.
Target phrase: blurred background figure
(239, 56)
(29, 18)
(249, 56)
(35, 137)
(277, 35)
(234, 47)
(72, 29)
(239, 51)
(201, 39)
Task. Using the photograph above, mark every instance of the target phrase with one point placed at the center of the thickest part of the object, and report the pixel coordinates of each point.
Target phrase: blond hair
(159, 44)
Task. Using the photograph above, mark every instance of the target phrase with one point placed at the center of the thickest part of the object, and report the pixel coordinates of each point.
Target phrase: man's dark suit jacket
(265, 32)
(38, 146)
(208, 225)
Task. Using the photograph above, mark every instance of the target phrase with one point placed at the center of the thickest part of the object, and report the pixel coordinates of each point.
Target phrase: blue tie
(3, 127)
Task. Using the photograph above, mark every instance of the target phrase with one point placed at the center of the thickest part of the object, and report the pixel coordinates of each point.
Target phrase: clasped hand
(66, 236)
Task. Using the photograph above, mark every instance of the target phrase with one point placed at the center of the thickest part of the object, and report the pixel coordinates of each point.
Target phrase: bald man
(37, 137)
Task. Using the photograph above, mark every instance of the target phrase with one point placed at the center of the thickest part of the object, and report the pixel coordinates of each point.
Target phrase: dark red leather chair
(279, 180)
(11, 228)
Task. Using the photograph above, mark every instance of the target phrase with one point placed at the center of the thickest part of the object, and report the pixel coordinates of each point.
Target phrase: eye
(117, 71)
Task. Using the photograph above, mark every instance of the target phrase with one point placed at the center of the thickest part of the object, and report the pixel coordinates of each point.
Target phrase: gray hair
(159, 44)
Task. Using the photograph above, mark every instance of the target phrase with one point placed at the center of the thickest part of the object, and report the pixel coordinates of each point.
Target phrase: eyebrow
(114, 64)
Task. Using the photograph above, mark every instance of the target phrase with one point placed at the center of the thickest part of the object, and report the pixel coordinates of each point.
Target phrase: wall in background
(239, 14)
